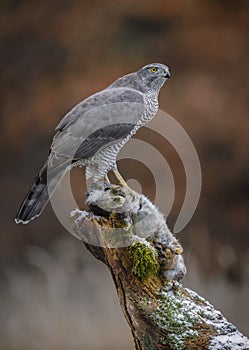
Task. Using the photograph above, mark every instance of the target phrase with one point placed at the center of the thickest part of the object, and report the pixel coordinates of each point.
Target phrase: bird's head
(154, 75)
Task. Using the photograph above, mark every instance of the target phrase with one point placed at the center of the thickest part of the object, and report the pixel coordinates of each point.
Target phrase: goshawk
(94, 131)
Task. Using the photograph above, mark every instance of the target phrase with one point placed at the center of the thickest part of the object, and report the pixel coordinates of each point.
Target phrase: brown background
(53, 295)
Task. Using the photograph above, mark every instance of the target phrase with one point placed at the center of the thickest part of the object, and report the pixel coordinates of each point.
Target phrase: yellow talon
(178, 250)
(167, 253)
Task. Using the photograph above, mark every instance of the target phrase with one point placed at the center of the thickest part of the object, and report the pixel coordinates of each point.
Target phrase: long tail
(38, 196)
(35, 200)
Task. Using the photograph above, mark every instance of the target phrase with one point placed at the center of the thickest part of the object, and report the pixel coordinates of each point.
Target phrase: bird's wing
(103, 137)
(103, 98)
(101, 119)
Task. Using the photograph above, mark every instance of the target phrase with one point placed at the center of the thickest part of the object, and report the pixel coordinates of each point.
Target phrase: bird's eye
(153, 69)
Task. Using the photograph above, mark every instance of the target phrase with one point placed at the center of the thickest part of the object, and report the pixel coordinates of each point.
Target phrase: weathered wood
(146, 263)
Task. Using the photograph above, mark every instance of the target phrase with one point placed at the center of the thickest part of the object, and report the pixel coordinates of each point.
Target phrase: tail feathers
(38, 196)
(34, 202)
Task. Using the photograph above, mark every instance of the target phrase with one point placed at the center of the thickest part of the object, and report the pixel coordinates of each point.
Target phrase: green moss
(144, 303)
(173, 316)
(145, 260)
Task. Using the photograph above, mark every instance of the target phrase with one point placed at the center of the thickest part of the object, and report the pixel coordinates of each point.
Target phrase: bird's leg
(123, 183)
(106, 179)
(119, 177)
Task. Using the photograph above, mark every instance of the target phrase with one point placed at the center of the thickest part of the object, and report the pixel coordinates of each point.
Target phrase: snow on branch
(131, 237)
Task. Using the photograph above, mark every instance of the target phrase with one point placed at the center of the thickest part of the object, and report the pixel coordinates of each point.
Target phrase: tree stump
(127, 233)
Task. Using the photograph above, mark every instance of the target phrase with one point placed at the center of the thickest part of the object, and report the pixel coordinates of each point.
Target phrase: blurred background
(53, 294)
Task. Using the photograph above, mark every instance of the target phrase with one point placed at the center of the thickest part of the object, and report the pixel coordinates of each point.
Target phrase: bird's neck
(129, 81)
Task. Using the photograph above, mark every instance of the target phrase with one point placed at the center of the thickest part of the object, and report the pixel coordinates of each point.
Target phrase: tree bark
(127, 233)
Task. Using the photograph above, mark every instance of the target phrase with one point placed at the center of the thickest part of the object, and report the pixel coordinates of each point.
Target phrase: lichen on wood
(131, 237)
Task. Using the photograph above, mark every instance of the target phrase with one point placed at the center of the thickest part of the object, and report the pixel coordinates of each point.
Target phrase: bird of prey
(94, 131)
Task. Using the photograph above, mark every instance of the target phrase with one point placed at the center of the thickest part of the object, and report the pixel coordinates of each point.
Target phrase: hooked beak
(167, 74)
